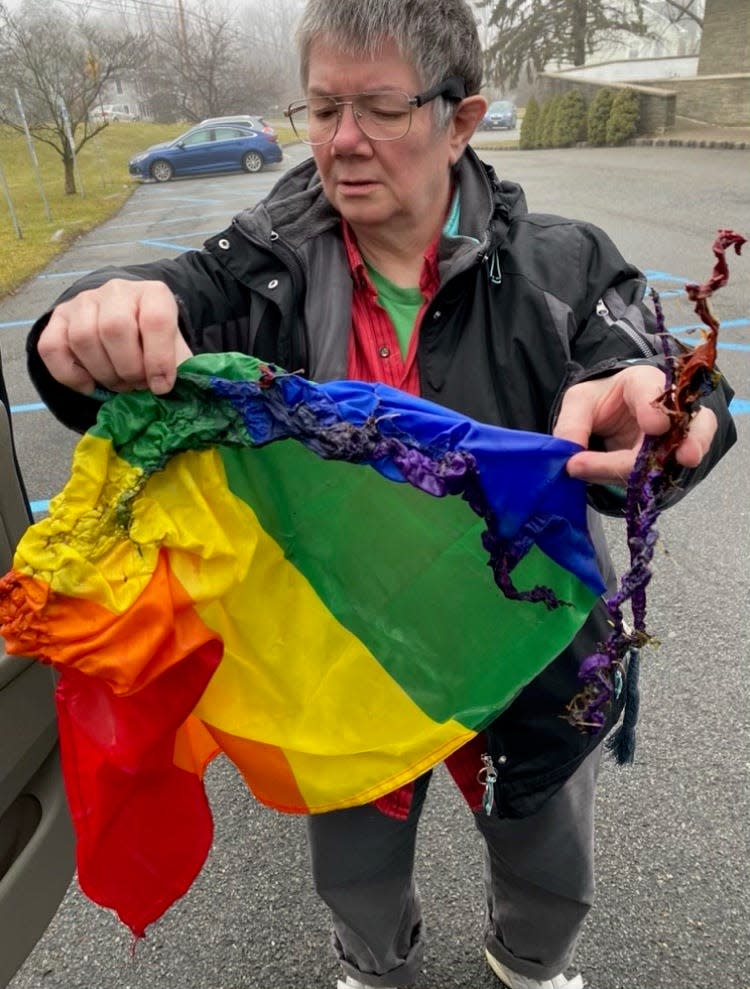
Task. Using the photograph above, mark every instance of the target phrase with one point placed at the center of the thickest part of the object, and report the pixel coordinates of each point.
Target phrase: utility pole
(182, 32)
(13, 217)
(182, 48)
(32, 155)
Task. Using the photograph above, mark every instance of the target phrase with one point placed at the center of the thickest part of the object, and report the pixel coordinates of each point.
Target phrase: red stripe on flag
(143, 825)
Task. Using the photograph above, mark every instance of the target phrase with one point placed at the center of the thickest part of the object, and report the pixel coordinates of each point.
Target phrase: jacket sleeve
(614, 329)
(210, 304)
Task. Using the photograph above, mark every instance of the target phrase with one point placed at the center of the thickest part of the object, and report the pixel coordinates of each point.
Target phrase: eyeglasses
(380, 115)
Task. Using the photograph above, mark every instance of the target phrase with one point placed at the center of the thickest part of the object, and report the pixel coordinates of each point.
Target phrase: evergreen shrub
(598, 115)
(623, 118)
(547, 121)
(530, 126)
(570, 122)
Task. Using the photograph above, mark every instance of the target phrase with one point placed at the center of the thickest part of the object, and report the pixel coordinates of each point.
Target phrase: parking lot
(674, 883)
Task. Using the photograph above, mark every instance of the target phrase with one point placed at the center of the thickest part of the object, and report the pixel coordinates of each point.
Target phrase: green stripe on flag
(407, 574)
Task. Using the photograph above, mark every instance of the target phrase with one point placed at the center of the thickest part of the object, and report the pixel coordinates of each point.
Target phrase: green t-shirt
(403, 304)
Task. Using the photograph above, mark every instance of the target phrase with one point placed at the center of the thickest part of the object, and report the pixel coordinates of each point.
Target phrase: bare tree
(527, 34)
(202, 63)
(684, 10)
(59, 65)
(271, 47)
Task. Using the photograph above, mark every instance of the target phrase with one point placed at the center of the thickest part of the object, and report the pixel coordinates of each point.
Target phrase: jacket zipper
(487, 776)
(289, 260)
(606, 315)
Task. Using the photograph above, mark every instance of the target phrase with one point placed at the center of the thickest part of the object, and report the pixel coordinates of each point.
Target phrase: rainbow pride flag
(295, 575)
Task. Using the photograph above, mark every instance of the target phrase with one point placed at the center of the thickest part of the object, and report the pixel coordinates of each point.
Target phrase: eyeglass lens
(380, 116)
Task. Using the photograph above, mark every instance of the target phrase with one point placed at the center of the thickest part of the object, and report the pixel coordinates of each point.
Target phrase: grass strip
(103, 167)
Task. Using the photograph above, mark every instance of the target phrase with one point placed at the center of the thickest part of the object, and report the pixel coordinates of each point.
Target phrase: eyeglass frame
(452, 88)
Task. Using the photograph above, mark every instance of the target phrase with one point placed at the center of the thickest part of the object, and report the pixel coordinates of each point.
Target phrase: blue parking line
(167, 219)
(39, 506)
(664, 276)
(65, 274)
(689, 334)
(143, 212)
(191, 233)
(742, 321)
(193, 199)
(739, 407)
(169, 246)
(28, 407)
(694, 340)
(16, 322)
(742, 347)
(131, 243)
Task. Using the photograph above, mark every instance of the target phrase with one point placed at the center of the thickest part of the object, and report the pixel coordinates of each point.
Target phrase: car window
(503, 105)
(258, 123)
(202, 136)
(229, 133)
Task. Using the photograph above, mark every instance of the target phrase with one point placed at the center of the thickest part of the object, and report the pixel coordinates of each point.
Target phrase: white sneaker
(350, 983)
(515, 981)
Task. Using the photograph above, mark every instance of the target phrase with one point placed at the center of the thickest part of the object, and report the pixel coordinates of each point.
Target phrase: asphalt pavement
(672, 839)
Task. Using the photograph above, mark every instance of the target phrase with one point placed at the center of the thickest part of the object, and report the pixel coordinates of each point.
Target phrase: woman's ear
(465, 121)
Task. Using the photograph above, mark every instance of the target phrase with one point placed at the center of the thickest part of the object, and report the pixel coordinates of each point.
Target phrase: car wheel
(252, 161)
(161, 170)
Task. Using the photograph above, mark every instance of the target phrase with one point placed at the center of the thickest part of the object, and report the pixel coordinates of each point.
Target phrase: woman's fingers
(123, 335)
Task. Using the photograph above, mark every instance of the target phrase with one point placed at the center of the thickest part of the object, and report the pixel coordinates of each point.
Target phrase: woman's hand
(123, 335)
(621, 410)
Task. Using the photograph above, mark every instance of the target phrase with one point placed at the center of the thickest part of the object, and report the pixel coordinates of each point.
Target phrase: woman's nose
(349, 134)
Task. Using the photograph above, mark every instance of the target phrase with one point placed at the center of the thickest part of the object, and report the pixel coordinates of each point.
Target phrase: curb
(643, 142)
(680, 142)
(510, 146)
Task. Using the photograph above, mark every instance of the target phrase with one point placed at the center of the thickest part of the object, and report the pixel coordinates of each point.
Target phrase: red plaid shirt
(375, 355)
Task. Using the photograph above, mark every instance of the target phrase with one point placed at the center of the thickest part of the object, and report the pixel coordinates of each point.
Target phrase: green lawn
(103, 165)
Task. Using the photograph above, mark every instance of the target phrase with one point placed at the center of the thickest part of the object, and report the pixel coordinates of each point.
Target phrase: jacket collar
(297, 210)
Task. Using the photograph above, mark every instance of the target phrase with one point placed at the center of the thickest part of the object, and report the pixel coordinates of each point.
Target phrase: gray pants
(539, 882)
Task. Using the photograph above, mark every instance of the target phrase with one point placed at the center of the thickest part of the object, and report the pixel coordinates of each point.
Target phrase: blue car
(500, 114)
(207, 148)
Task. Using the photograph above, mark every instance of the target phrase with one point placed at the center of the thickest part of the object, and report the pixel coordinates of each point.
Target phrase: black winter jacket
(527, 305)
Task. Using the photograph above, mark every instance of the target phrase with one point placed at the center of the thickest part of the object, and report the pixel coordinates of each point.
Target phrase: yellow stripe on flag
(94, 559)
(291, 676)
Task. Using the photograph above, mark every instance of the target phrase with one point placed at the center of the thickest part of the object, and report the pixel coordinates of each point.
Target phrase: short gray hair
(438, 37)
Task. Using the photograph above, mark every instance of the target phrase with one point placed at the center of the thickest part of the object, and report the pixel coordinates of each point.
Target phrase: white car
(114, 111)
(251, 119)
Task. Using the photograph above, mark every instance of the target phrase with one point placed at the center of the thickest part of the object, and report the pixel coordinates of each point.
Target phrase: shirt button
(273, 283)
(502, 760)
(224, 244)
(384, 352)
(437, 314)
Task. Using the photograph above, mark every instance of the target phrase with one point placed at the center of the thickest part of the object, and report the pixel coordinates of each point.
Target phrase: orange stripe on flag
(194, 747)
(126, 650)
(265, 770)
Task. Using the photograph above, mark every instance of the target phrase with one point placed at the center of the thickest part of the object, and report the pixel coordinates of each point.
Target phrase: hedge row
(564, 120)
